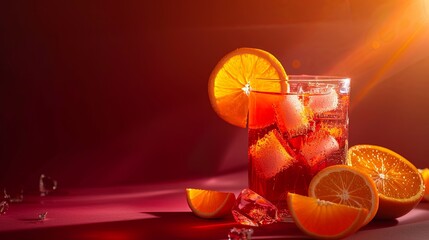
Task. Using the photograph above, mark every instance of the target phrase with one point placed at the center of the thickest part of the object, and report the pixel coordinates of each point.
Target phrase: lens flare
(396, 40)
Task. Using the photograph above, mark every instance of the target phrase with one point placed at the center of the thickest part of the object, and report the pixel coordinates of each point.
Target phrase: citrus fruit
(400, 185)
(209, 203)
(235, 75)
(325, 219)
(346, 185)
(425, 174)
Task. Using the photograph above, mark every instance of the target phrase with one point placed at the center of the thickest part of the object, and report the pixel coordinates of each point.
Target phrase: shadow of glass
(163, 225)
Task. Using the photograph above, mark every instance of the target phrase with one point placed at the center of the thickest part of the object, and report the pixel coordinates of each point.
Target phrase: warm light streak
(393, 43)
(382, 72)
(426, 6)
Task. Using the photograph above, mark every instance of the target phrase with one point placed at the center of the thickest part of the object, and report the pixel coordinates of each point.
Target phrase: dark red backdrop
(99, 93)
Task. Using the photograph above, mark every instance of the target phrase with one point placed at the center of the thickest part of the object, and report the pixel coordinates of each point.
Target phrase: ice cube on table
(252, 209)
(4, 206)
(13, 196)
(318, 146)
(269, 155)
(42, 216)
(291, 115)
(320, 103)
(46, 185)
(240, 234)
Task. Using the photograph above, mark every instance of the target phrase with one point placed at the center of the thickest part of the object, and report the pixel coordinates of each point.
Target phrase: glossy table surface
(160, 211)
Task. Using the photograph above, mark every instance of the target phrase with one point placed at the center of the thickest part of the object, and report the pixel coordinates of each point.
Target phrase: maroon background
(101, 93)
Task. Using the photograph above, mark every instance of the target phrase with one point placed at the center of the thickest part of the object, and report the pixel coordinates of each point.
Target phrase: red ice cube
(318, 146)
(269, 155)
(292, 116)
(323, 102)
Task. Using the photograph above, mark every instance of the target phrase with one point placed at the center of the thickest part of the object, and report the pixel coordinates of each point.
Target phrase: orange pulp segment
(346, 185)
(425, 175)
(324, 219)
(235, 75)
(400, 185)
(209, 203)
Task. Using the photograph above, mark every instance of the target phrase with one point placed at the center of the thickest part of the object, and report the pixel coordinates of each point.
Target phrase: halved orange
(235, 76)
(425, 175)
(324, 219)
(209, 203)
(346, 185)
(400, 185)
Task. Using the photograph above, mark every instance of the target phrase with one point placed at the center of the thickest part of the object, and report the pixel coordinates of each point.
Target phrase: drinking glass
(295, 128)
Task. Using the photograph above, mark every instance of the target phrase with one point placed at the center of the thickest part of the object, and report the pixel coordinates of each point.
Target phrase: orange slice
(425, 174)
(346, 185)
(324, 219)
(236, 75)
(209, 203)
(400, 185)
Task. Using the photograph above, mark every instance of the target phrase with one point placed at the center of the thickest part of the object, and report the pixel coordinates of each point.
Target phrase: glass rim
(310, 78)
(294, 84)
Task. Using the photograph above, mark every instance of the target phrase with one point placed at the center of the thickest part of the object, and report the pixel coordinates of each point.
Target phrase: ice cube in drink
(271, 155)
(291, 116)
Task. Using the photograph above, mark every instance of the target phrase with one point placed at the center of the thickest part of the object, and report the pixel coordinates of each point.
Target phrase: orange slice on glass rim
(233, 78)
(323, 219)
(209, 203)
(346, 185)
(400, 185)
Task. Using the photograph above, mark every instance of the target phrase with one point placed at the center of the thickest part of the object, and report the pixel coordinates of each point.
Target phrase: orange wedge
(324, 219)
(400, 185)
(346, 185)
(425, 174)
(235, 76)
(209, 203)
